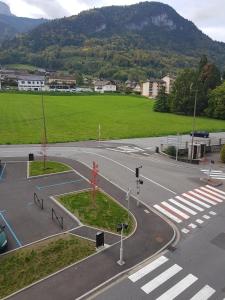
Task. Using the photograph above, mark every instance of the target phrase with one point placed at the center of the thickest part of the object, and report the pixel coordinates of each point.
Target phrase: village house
(103, 86)
(151, 87)
(60, 83)
(31, 83)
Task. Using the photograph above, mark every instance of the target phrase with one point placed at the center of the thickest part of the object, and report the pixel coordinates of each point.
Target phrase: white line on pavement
(205, 293)
(192, 212)
(168, 214)
(196, 200)
(177, 211)
(189, 203)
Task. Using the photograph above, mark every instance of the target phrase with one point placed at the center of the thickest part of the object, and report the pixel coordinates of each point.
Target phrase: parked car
(203, 134)
(3, 238)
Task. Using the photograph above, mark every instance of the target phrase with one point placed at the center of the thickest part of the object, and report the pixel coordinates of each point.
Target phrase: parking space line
(55, 184)
(3, 169)
(11, 230)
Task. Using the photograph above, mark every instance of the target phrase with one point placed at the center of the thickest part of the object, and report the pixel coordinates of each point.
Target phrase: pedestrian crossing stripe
(160, 279)
(182, 282)
(147, 269)
(180, 208)
(217, 174)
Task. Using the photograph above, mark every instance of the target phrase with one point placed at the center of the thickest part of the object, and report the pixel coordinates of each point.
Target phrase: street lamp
(44, 143)
(193, 122)
(120, 228)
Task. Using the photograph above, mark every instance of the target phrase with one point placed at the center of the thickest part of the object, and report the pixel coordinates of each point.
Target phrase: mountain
(11, 25)
(120, 42)
(5, 9)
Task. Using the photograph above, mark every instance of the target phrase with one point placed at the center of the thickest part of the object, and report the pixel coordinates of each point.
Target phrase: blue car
(203, 134)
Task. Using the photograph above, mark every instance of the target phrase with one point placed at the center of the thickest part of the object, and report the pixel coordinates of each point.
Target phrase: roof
(31, 77)
(102, 82)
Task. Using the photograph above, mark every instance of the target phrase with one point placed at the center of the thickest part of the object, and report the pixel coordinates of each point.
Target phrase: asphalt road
(200, 252)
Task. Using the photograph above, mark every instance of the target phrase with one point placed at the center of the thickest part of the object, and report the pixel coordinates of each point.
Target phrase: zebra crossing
(189, 205)
(132, 150)
(154, 279)
(216, 174)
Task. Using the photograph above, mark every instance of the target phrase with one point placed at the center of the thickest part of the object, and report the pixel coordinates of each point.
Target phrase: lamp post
(120, 228)
(44, 126)
(193, 122)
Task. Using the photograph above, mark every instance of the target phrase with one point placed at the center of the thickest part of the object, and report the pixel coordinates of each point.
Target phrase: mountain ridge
(145, 38)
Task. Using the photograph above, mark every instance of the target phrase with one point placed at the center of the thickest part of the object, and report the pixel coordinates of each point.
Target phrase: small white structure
(102, 86)
(152, 87)
(31, 83)
(169, 80)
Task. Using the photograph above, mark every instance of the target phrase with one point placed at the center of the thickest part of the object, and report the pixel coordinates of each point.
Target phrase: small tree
(222, 154)
(161, 104)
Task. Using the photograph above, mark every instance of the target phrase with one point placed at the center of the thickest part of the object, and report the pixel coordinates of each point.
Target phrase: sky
(208, 15)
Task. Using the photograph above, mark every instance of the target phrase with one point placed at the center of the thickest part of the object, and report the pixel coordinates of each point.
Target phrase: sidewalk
(152, 235)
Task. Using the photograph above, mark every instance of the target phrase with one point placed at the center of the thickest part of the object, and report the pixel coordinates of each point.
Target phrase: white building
(31, 83)
(152, 87)
(102, 86)
(169, 80)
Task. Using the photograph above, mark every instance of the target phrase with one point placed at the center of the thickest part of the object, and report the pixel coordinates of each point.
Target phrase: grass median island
(37, 168)
(25, 266)
(104, 214)
(77, 117)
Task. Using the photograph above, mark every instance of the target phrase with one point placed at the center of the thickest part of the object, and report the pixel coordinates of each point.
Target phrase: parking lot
(24, 219)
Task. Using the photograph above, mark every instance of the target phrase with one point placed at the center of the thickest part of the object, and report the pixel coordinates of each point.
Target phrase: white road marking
(205, 293)
(193, 226)
(199, 195)
(206, 217)
(189, 203)
(214, 193)
(196, 200)
(184, 230)
(142, 176)
(177, 211)
(214, 189)
(160, 279)
(213, 213)
(147, 269)
(209, 195)
(199, 221)
(192, 212)
(168, 214)
(178, 288)
(146, 211)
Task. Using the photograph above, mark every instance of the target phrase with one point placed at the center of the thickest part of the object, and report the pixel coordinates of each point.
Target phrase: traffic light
(137, 172)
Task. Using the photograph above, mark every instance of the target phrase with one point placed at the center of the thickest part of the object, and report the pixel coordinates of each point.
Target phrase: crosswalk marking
(177, 211)
(178, 288)
(199, 194)
(189, 203)
(214, 193)
(147, 269)
(206, 217)
(214, 173)
(185, 230)
(199, 221)
(192, 212)
(193, 226)
(214, 189)
(168, 214)
(196, 200)
(213, 213)
(201, 190)
(205, 293)
(160, 279)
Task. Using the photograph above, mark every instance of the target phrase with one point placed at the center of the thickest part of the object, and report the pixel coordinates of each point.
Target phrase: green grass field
(27, 265)
(105, 213)
(37, 168)
(73, 118)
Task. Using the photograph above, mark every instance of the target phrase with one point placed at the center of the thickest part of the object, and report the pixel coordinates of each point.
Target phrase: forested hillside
(120, 42)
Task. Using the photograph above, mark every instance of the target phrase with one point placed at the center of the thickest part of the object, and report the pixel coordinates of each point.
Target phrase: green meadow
(77, 117)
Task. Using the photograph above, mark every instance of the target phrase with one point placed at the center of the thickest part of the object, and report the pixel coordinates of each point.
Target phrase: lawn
(105, 214)
(77, 117)
(25, 266)
(37, 168)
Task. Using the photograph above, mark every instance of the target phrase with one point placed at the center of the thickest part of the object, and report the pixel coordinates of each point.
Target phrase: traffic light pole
(139, 182)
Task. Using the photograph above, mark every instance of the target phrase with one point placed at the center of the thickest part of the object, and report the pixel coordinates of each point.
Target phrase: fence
(55, 217)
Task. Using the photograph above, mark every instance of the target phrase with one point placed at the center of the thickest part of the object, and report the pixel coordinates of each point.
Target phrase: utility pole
(138, 182)
(128, 204)
(193, 123)
(44, 141)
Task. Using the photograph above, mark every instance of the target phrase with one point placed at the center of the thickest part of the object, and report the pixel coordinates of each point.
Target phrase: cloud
(51, 8)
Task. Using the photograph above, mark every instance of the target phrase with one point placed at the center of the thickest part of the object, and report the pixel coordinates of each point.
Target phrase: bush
(171, 150)
(222, 154)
